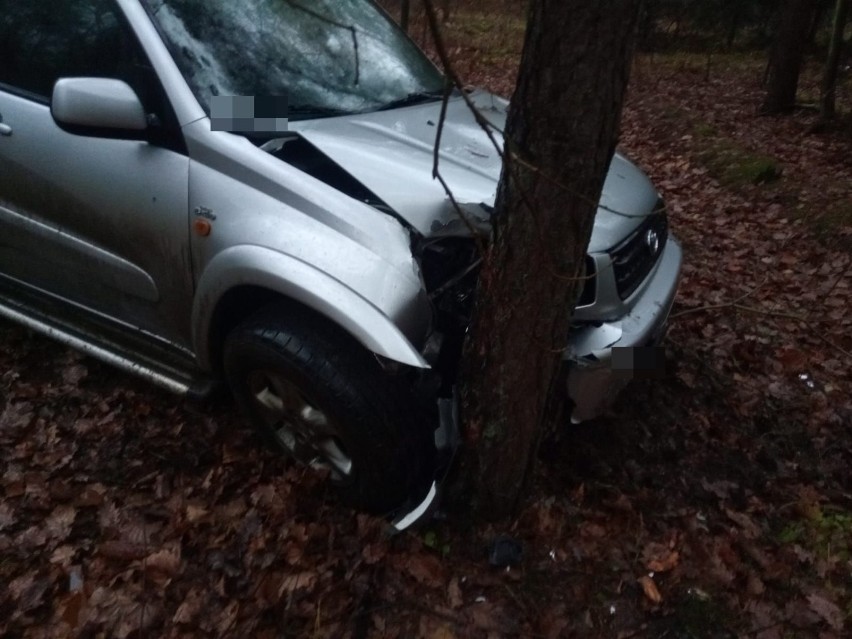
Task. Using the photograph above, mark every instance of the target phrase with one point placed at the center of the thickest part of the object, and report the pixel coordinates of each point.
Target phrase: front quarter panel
(275, 227)
(299, 281)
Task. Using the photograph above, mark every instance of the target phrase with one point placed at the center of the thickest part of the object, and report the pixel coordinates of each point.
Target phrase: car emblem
(652, 241)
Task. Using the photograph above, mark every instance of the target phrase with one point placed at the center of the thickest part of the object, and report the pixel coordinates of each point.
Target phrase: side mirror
(98, 107)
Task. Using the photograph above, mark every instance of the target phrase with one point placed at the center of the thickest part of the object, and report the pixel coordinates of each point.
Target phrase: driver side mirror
(99, 107)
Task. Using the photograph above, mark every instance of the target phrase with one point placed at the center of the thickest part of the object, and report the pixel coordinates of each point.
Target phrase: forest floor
(716, 502)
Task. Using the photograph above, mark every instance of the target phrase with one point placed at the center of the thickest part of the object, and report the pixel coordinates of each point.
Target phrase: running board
(172, 378)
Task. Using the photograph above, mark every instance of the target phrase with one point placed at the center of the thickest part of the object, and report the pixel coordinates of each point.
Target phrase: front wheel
(323, 400)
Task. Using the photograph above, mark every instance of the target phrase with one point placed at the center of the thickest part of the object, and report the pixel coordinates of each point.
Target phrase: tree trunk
(829, 78)
(404, 14)
(560, 137)
(786, 56)
(445, 11)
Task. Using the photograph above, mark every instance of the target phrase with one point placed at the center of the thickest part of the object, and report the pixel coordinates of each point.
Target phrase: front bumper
(594, 379)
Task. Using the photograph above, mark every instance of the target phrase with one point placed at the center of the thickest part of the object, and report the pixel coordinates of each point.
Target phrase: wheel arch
(241, 280)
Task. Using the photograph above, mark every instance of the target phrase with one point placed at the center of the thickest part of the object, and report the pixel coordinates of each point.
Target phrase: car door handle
(5, 129)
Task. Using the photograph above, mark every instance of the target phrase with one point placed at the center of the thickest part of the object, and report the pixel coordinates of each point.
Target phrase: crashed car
(205, 191)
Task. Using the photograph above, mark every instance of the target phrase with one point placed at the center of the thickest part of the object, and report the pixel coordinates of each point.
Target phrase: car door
(100, 222)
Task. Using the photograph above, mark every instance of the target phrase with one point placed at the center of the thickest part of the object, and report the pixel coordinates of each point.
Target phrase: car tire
(322, 399)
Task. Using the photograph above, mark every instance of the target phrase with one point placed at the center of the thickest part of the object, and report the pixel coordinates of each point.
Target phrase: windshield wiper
(306, 111)
(417, 97)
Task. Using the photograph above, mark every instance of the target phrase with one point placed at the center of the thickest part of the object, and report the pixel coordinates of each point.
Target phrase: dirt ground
(716, 502)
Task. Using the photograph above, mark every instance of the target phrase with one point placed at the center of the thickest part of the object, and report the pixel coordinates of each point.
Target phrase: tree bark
(404, 14)
(786, 56)
(560, 137)
(829, 78)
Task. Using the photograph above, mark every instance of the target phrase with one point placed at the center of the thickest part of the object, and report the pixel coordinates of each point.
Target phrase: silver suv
(206, 190)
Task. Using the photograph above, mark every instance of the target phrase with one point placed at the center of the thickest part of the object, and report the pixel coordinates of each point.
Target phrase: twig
(757, 631)
(724, 304)
(436, 173)
(833, 345)
(833, 286)
(489, 128)
(585, 198)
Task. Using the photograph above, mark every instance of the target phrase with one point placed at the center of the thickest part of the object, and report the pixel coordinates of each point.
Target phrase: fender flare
(249, 265)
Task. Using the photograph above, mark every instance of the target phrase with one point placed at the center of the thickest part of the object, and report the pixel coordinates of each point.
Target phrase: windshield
(326, 56)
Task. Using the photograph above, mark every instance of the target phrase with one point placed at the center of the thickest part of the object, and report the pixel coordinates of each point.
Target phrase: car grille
(589, 288)
(634, 258)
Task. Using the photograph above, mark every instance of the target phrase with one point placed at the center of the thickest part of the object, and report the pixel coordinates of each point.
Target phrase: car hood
(392, 154)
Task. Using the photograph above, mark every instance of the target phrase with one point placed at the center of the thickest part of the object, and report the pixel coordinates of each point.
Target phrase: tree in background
(829, 80)
(786, 55)
(560, 137)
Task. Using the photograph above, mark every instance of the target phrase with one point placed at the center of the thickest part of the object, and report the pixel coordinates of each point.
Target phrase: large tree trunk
(404, 14)
(829, 78)
(562, 128)
(786, 56)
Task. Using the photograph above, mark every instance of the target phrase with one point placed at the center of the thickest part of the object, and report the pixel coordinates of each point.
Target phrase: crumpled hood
(392, 154)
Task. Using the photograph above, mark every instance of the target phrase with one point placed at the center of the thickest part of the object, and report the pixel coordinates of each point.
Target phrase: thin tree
(786, 55)
(559, 139)
(829, 79)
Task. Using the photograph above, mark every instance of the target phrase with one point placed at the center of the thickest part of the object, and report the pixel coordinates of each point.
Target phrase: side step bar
(174, 380)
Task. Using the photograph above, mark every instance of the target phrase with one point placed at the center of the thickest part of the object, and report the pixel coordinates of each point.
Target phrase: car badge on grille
(652, 241)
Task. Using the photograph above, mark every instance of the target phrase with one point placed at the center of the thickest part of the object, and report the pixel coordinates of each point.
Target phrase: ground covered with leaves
(716, 502)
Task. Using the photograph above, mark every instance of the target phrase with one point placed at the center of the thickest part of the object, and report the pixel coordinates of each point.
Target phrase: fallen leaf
(190, 608)
(91, 495)
(442, 632)
(650, 589)
(750, 529)
(165, 561)
(7, 516)
(73, 375)
(755, 586)
(454, 594)
(59, 522)
(63, 555)
(665, 563)
(826, 609)
(426, 569)
(373, 553)
(195, 513)
(298, 581)
(122, 550)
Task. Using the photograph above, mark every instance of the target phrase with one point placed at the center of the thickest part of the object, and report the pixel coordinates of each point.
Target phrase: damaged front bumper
(602, 358)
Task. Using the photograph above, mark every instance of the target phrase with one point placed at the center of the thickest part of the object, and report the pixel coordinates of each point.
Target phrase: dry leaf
(373, 553)
(826, 609)
(7, 516)
(750, 528)
(195, 513)
(59, 522)
(92, 495)
(62, 555)
(165, 561)
(426, 569)
(454, 594)
(122, 550)
(298, 581)
(442, 632)
(755, 586)
(189, 608)
(664, 563)
(650, 589)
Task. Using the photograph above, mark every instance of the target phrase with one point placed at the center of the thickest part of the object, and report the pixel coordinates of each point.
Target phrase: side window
(44, 40)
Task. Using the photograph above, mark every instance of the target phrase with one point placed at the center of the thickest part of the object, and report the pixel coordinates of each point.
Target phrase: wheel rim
(306, 432)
